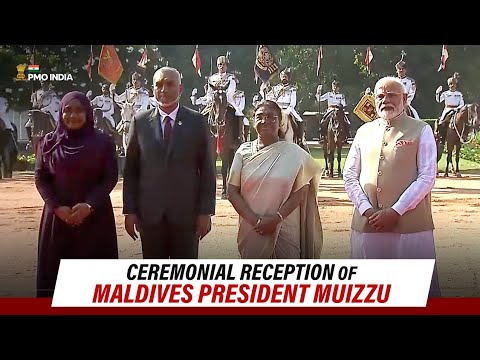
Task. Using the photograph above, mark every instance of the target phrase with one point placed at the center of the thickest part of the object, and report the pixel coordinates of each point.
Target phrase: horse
(226, 130)
(298, 132)
(42, 123)
(123, 126)
(336, 135)
(463, 123)
(8, 151)
(104, 125)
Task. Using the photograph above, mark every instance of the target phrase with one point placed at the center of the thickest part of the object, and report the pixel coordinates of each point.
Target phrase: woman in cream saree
(273, 187)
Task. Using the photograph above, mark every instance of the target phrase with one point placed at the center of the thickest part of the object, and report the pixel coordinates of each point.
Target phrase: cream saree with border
(267, 177)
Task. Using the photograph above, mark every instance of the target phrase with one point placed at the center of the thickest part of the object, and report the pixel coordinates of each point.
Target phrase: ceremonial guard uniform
(285, 95)
(44, 99)
(105, 102)
(222, 77)
(453, 102)
(410, 86)
(334, 100)
(202, 101)
(3, 114)
(239, 98)
(134, 99)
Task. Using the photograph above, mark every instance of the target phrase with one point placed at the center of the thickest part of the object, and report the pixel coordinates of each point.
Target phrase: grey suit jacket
(178, 180)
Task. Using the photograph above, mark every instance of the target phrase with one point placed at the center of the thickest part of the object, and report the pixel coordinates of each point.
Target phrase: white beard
(390, 114)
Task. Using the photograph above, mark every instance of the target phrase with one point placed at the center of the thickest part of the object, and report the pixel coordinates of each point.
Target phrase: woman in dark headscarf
(76, 169)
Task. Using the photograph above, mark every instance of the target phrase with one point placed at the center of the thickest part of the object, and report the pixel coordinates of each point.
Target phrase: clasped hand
(267, 224)
(75, 215)
(383, 220)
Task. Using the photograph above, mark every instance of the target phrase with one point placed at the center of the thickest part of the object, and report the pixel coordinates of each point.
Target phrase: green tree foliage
(345, 63)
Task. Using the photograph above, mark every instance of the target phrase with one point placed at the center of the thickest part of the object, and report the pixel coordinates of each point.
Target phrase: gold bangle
(280, 215)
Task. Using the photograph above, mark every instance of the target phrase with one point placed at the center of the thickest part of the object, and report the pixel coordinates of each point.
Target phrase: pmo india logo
(34, 74)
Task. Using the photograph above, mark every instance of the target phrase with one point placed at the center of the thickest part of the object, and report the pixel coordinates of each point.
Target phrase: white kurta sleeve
(427, 172)
(351, 177)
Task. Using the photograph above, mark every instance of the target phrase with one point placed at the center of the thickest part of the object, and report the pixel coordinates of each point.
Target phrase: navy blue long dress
(80, 167)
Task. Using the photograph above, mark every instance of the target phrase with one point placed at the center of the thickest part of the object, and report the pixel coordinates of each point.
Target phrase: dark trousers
(168, 240)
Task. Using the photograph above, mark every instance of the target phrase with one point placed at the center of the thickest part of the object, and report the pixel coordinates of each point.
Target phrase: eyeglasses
(266, 118)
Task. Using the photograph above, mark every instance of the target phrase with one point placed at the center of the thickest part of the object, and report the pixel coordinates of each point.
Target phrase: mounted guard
(8, 141)
(104, 102)
(410, 87)
(134, 99)
(43, 116)
(239, 98)
(453, 103)
(225, 117)
(222, 80)
(335, 100)
(46, 100)
(285, 95)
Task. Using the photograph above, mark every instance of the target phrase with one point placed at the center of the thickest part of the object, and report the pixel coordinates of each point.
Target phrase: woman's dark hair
(272, 105)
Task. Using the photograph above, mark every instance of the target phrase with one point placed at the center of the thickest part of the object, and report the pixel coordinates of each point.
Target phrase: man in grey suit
(169, 175)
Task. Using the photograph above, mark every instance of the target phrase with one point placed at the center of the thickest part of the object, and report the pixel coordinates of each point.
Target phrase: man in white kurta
(389, 174)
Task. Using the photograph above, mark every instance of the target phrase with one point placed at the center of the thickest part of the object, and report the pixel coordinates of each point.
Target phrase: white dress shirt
(172, 115)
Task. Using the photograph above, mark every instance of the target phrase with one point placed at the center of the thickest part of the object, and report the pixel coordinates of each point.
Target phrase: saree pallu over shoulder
(267, 179)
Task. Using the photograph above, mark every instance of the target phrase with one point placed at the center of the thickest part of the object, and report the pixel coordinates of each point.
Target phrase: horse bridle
(472, 116)
(334, 116)
(220, 92)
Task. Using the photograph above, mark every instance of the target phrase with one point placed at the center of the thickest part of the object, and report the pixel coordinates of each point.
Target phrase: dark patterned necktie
(167, 129)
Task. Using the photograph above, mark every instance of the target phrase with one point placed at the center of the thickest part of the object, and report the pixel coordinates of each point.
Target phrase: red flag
(319, 59)
(197, 62)
(443, 58)
(368, 58)
(143, 60)
(89, 66)
(109, 65)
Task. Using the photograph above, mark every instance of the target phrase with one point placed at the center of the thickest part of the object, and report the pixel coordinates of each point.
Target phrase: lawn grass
(317, 152)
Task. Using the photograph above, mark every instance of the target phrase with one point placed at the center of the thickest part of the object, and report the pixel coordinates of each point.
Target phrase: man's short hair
(390, 79)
